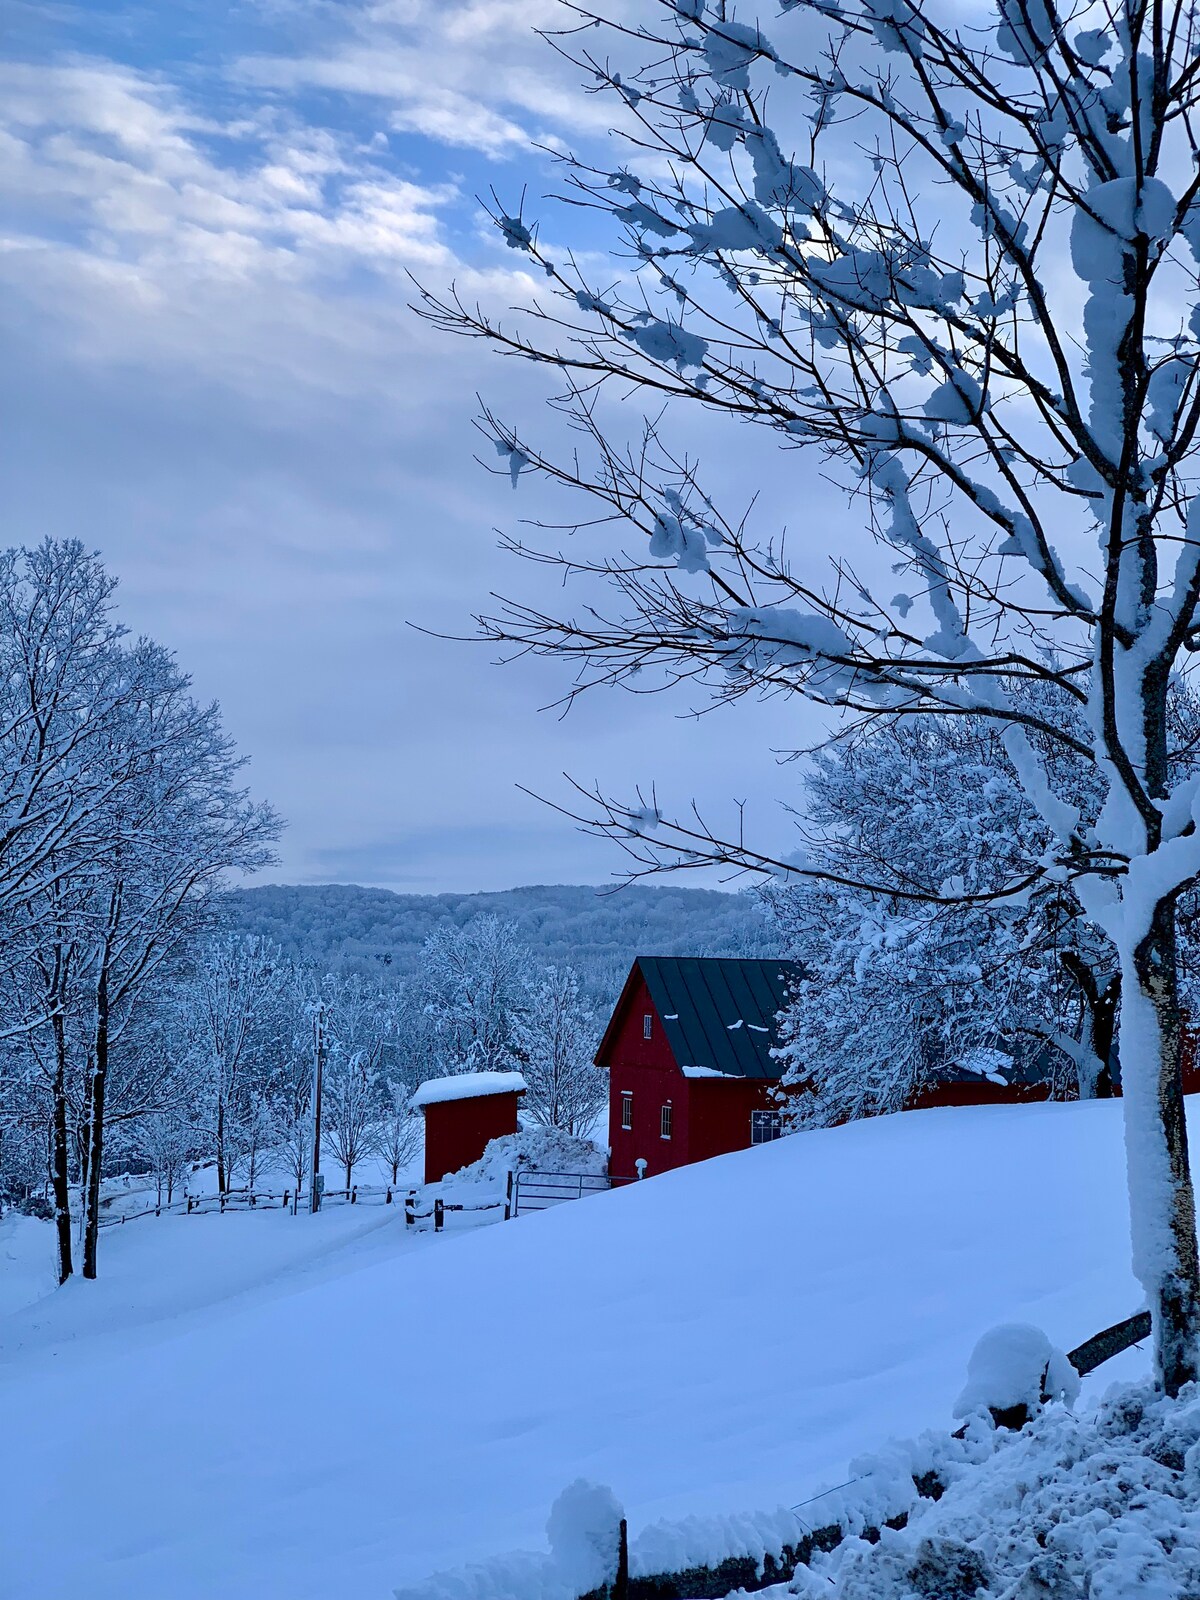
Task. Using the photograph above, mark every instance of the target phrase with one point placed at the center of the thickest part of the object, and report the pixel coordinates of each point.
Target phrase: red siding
(646, 1069)
(458, 1131)
(709, 1116)
(719, 1113)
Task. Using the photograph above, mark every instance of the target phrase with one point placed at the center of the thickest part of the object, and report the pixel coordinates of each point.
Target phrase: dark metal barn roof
(718, 1013)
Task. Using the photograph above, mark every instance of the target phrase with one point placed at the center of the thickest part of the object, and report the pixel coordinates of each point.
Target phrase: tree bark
(59, 1161)
(1164, 1223)
(222, 1183)
(91, 1233)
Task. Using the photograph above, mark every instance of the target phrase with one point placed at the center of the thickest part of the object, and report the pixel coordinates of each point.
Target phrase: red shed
(688, 1052)
(463, 1113)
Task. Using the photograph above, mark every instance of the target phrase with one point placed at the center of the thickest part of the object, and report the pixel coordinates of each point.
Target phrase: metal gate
(537, 1191)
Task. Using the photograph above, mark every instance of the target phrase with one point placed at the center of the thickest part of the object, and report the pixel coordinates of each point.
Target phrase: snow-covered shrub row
(1103, 1504)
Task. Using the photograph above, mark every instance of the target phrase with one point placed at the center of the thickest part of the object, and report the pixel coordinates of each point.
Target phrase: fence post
(287, 1198)
(439, 1214)
(410, 1209)
(354, 1195)
(620, 1588)
(508, 1197)
(388, 1197)
(189, 1205)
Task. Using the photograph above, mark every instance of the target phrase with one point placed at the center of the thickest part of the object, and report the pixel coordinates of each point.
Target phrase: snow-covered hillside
(722, 1337)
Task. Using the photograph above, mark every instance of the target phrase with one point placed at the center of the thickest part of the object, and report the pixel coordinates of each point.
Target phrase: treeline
(593, 930)
(120, 816)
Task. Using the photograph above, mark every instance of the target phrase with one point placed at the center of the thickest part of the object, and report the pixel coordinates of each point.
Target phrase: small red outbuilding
(463, 1114)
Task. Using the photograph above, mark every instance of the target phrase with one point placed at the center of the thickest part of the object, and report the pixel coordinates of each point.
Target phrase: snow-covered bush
(1105, 1504)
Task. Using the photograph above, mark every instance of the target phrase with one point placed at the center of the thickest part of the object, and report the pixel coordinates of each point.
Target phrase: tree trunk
(1104, 1034)
(222, 1183)
(91, 1233)
(1160, 1183)
(59, 1160)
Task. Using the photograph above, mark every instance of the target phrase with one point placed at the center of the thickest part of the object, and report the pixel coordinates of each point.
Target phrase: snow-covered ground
(263, 1406)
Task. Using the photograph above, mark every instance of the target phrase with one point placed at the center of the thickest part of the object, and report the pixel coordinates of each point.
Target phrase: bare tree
(555, 1035)
(902, 296)
(398, 1134)
(173, 831)
(231, 1006)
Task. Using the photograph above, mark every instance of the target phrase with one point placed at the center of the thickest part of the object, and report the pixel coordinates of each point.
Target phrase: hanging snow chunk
(1016, 1365)
(729, 48)
(1092, 46)
(517, 459)
(516, 235)
(957, 401)
(1026, 29)
(645, 219)
(726, 124)
(1163, 395)
(860, 278)
(896, 25)
(744, 227)
(672, 538)
(669, 342)
(1114, 215)
(779, 182)
(790, 637)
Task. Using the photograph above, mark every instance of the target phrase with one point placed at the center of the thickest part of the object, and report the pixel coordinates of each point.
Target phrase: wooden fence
(753, 1572)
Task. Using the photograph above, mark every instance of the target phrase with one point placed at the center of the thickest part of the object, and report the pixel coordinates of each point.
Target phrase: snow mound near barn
(722, 1339)
(533, 1149)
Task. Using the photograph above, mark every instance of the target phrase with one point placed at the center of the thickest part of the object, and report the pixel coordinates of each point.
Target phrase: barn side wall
(719, 1113)
(458, 1131)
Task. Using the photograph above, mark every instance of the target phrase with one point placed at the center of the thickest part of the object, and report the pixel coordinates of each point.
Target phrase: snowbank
(721, 1339)
(537, 1149)
(466, 1086)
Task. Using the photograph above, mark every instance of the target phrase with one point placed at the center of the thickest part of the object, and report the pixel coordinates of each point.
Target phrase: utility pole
(318, 1182)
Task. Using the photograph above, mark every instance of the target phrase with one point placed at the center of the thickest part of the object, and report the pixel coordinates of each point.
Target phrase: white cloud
(471, 74)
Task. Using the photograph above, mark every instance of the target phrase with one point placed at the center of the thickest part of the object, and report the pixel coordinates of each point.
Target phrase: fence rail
(526, 1191)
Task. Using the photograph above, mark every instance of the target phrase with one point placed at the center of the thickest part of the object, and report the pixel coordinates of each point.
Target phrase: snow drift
(721, 1339)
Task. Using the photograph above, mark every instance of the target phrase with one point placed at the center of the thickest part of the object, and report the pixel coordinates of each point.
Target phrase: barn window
(765, 1126)
(647, 1024)
(627, 1111)
(665, 1122)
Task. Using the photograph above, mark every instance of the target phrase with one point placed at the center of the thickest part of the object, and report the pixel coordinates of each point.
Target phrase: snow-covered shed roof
(718, 1012)
(466, 1086)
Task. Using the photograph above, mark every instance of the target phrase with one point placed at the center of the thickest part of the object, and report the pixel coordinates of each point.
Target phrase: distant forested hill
(598, 932)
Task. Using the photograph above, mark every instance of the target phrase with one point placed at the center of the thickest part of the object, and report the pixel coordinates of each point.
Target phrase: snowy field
(261, 1406)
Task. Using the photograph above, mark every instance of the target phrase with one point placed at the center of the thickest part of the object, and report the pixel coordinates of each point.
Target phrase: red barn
(688, 1053)
(463, 1114)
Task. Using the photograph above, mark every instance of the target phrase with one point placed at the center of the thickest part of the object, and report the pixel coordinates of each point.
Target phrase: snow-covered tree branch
(958, 264)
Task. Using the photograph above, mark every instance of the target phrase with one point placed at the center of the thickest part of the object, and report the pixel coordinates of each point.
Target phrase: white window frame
(626, 1110)
(775, 1127)
(666, 1121)
(647, 1024)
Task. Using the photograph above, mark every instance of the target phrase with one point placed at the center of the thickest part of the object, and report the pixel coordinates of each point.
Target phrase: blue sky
(211, 373)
